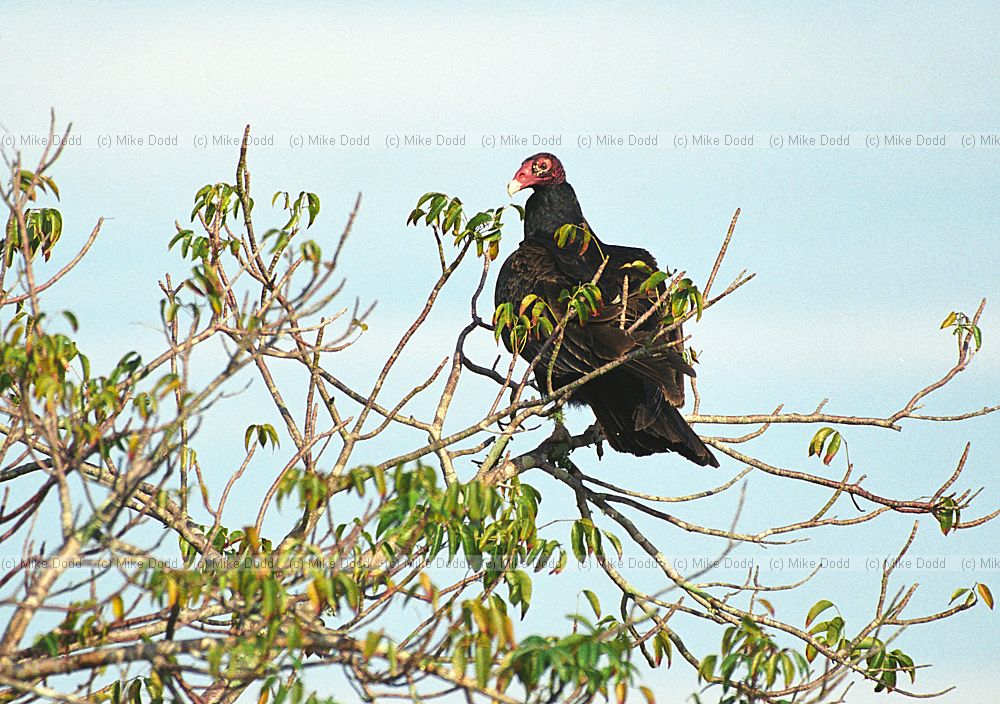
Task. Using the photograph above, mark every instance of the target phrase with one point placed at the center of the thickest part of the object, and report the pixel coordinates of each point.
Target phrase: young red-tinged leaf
(986, 594)
(818, 608)
(565, 234)
(537, 310)
(767, 606)
(816, 444)
(832, 448)
(593, 535)
(621, 691)
(526, 302)
(561, 563)
(662, 646)
(648, 694)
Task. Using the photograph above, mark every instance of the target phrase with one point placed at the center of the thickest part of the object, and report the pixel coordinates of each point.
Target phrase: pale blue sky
(860, 252)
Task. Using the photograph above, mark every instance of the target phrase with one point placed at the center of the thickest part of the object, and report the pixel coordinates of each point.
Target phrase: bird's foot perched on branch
(555, 449)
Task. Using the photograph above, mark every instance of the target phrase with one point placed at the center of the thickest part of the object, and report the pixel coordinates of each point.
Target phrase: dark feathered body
(636, 403)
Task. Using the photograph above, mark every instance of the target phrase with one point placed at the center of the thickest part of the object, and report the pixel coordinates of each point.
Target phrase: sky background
(860, 250)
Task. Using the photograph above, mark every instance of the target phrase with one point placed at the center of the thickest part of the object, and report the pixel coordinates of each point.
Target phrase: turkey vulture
(635, 403)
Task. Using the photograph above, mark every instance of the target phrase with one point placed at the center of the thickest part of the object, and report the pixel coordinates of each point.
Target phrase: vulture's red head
(542, 169)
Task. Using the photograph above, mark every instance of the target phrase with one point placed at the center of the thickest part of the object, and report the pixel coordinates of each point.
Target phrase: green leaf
(427, 196)
(458, 661)
(484, 660)
(595, 603)
(728, 665)
(816, 444)
(524, 586)
(313, 208)
(72, 320)
(576, 540)
(438, 204)
(787, 669)
(651, 282)
(415, 215)
(946, 520)
(771, 669)
(638, 264)
(905, 662)
(477, 221)
(706, 668)
(958, 593)
(371, 644)
(615, 542)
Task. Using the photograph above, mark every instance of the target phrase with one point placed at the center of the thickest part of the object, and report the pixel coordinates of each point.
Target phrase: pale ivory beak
(513, 187)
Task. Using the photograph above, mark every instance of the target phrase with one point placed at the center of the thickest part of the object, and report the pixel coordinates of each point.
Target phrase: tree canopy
(143, 578)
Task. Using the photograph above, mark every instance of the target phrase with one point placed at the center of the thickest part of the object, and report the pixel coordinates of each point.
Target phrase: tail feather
(644, 422)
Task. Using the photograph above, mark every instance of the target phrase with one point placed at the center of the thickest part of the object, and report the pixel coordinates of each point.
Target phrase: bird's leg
(559, 433)
(595, 432)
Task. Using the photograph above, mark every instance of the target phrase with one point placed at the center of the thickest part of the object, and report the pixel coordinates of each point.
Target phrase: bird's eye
(539, 167)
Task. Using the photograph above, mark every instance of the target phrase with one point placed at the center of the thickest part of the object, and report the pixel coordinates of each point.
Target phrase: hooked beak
(513, 187)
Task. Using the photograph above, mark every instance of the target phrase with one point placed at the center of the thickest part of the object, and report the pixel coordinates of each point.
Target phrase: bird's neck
(548, 209)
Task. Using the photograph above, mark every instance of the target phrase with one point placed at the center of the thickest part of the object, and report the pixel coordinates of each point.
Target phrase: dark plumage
(635, 403)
